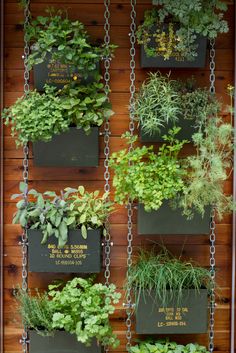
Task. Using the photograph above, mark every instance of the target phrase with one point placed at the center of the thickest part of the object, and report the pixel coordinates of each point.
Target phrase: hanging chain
(24, 241)
(212, 223)
(107, 64)
(129, 304)
(212, 272)
(212, 66)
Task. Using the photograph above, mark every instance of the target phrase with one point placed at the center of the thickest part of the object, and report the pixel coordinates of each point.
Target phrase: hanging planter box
(58, 75)
(61, 342)
(79, 255)
(190, 316)
(168, 221)
(159, 62)
(186, 132)
(72, 148)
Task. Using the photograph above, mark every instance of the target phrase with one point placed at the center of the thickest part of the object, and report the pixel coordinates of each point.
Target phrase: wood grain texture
(195, 247)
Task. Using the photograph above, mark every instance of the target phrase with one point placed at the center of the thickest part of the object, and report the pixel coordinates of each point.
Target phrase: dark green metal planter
(72, 148)
(78, 256)
(186, 132)
(168, 221)
(59, 75)
(190, 316)
(159, 62)
(61, 342)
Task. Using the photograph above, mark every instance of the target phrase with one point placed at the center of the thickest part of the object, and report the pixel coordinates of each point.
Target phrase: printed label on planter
(190, 316)
(79, 255)
(58, 74)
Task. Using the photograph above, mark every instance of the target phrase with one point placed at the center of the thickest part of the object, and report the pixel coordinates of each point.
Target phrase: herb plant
(171, 29)
(164, 346)
(208, 169)
(79, 307)
(67, 41)
(146, 176)
(37, 117)
(55, 214)
(166, 276)
(163, 102)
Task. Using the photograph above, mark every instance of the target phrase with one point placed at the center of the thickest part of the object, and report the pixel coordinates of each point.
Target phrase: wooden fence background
(90, 12)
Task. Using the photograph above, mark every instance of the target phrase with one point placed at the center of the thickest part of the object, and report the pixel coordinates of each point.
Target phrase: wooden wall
(90, 12)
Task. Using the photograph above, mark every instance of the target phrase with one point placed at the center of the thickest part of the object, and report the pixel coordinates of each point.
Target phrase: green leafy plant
(163, 102)
(37, 117)
(67, 41)
(55, 214)
(146, 176)
(208, 169)
(165, 346)
(171, 29)
(166, 276)
(79, 307)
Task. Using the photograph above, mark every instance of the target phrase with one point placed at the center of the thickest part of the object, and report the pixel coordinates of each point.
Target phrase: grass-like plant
(163, 101)
(55, 214)
(38, 117)
(80, 307)
(166, 346)
(166, 276)
(170, 30)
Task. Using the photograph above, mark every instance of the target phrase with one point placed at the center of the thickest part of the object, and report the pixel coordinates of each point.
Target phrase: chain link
(212, 272)
(107, 63)
(212, 223)
(212, 66)
(25, 175)
(129, 305)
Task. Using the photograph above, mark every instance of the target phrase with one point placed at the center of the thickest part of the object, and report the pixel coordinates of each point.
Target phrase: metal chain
(107, 64)
(212, 66)
(212, 272)
(24, 240)
(129, 305)
(212, 223)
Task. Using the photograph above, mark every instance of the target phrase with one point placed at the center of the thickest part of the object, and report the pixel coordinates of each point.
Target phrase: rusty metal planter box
(190, 316)
(72, 148)
(167, 221)
(78, 256)
(61, 342)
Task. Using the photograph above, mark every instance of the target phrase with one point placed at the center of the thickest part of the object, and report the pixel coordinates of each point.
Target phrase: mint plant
(38, 117)
(165, 345)
(66, 41)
